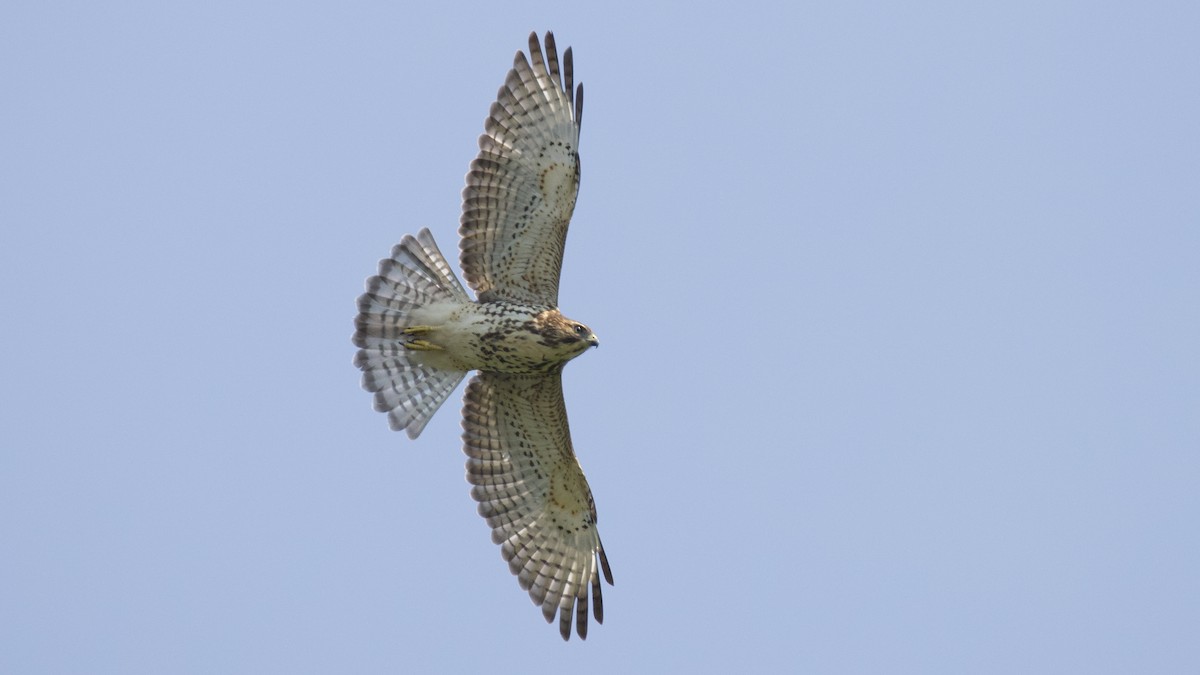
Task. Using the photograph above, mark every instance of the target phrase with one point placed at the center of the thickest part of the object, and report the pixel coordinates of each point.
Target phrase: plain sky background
(899, 302)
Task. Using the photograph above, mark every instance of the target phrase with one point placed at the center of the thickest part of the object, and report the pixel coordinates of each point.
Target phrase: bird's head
(567, 337)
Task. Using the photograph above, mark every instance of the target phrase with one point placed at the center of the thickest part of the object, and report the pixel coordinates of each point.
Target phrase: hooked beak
(594, 341)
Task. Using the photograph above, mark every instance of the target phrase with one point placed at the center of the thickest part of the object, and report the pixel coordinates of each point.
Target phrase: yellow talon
(417, 330)
(423, 346)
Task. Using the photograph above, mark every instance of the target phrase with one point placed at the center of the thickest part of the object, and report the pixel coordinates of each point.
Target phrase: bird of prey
(419, 334)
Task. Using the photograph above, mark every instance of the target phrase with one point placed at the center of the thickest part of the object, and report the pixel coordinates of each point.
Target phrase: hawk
(419, 334)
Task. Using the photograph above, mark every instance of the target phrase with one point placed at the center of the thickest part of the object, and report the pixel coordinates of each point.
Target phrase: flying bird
(419, 334)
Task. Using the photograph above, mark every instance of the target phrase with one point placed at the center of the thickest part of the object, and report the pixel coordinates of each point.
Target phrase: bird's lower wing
(532, 492)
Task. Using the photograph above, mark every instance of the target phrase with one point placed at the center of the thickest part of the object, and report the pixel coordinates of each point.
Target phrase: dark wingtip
(564, 624)
(604, 566)
(597, 601)
(579, 105)
(581, 616)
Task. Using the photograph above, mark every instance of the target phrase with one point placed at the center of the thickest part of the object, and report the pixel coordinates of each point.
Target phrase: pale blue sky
(899, 303)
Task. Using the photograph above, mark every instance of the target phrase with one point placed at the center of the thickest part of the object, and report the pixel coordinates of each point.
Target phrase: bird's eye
(580, 329)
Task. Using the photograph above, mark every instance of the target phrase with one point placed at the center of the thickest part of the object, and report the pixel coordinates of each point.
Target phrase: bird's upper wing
(521, 187)
(533, 494)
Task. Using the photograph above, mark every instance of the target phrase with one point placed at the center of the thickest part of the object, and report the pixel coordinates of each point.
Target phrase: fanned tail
(416, 275)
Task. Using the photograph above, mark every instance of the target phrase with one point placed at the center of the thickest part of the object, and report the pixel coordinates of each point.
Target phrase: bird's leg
(420, 345)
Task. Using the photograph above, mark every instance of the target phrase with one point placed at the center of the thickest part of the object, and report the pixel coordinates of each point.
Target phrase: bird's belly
(486, 337)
